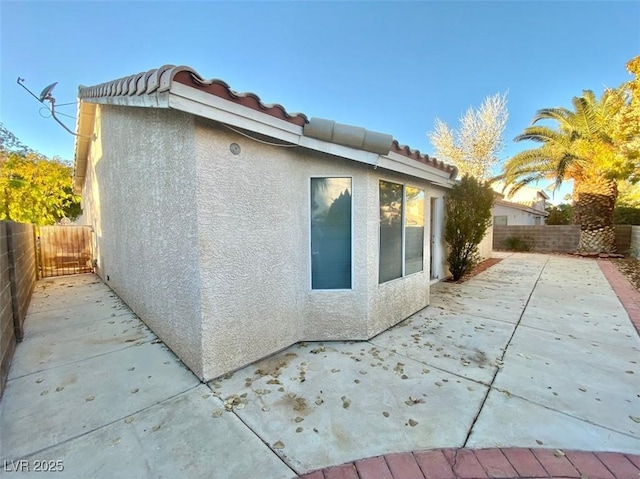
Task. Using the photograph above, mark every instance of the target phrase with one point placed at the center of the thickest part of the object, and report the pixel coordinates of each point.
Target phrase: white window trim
(404, 246)
(309, 258)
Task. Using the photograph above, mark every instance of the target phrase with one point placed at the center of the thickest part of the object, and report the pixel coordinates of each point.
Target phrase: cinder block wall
(17, 280)
(634, 241)
(543, 239)
(623, 238)
(555, 238)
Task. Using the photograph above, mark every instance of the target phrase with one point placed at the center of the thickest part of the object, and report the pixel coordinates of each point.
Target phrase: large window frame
(311, 233)
(386, 275)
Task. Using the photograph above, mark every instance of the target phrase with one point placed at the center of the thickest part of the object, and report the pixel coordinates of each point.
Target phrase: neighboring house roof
(182, 88)
(521, 207)
(525, 193)
(525, 196)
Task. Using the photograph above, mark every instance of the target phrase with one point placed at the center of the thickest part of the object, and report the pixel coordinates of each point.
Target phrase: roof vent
(347, 135)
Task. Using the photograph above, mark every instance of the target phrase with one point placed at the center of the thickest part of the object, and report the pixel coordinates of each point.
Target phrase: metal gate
(65, 250)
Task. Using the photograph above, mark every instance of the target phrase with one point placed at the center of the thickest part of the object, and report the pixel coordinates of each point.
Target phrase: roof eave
(400, 163)
(84, 138)
(202, 104)
(520, 207)
(149, 100)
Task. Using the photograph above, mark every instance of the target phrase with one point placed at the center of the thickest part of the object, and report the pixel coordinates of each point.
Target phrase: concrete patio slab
(592, 381)
(67, 345)
(44, 409)
(509, 421)
(613, 329)
(178, 437)
(354, 399)
(497, 308)
(454, 342)
(73, 317)
(53, 298)
(90, 385)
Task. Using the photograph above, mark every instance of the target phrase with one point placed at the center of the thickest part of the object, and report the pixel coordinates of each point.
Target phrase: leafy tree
(475, 146)
(628, 194)
(9, 142)
(582, 147)
(33, 188)
(626, 124)
(560, 215)
(626, 215)
(468, 212)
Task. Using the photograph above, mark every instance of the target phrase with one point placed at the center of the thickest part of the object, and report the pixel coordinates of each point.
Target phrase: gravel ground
(630, 267)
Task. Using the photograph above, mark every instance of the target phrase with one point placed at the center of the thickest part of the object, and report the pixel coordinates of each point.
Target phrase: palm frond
(542, 134)
(560, 115)
(586, 118)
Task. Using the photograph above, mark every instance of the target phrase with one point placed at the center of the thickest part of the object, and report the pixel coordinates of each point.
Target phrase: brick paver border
(501, 463)
(627, 294)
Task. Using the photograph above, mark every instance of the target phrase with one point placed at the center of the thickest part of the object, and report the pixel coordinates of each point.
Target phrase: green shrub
(514, 243)
(468, 217)
(560, 215)
(626, 215)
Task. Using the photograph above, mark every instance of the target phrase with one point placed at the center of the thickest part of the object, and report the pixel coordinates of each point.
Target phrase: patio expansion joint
(504, 352)
(44, 332)
(253, 431)
(84, 433)
(558, 411)
(528, 326)
(132, 345)
(41, 309)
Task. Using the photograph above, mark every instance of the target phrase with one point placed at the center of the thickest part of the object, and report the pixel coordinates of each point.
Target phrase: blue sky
(387, 66)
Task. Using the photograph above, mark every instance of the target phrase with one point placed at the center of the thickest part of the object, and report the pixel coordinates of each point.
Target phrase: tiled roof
(160, 79)
(521, 206)
(416, 155)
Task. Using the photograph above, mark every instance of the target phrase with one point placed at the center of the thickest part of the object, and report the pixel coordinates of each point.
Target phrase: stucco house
(235, 229)
(525, 206)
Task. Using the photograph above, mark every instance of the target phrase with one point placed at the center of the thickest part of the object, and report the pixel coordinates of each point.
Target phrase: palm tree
(581, 148)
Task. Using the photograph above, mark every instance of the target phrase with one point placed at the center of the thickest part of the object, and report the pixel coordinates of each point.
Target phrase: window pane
(390, 231)
(414, 230)
(331, 233)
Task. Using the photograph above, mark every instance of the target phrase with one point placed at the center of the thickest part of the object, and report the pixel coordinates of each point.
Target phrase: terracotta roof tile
(416, 155)
(160, 79)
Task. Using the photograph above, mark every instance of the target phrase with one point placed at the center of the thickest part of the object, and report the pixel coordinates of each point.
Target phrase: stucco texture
(254, 236)
(516, 216)
(140, 198)
(212, 249)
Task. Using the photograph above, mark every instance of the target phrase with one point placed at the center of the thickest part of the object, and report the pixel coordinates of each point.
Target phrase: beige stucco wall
(485, 248)
(212, 250)
(517, 216)
(254, 237)
(140, 198)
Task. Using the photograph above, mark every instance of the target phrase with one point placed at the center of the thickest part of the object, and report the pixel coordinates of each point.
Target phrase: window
(401, 230)
(331, 233)
(500, 220)
(414, 230)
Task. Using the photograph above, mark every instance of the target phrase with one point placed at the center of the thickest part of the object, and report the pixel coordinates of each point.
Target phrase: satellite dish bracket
(46, 95)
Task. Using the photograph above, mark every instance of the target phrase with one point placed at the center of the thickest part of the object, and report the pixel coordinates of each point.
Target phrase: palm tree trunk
(594, 201)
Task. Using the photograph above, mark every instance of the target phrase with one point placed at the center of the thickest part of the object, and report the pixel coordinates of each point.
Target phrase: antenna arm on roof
(51, 100)
(20, 82)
